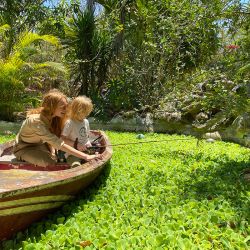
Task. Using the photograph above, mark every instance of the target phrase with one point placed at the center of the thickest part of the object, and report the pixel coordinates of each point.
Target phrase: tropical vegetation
(126, 54)
(20, 69)
(142, 56)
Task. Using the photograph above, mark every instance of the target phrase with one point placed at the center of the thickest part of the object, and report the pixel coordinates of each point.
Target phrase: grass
(169, 195)
(4, 138)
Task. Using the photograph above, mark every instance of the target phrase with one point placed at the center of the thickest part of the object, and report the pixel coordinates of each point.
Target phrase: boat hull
(42, 192)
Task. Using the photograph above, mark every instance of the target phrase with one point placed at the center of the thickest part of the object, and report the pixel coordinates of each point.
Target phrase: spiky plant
(88, 51)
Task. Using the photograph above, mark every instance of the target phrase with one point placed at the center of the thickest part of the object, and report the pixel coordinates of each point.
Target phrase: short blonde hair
(80, 107)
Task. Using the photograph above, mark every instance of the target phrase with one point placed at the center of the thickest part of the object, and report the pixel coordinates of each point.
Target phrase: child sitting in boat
(76, 129)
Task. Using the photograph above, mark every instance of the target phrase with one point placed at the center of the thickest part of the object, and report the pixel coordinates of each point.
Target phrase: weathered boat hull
(28, 195)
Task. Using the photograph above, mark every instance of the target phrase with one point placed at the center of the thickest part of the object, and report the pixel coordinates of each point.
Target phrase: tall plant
(20, 15)
(19, 70)
(159, 42)
(88, 51)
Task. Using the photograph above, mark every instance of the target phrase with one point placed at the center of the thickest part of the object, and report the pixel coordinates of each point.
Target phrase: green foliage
(162, 45)
(79, 38)
(218, 93)
(244, 66)
(5, 138)
(158, 42)
(19, 70)
(169, 195)
(115, 97)
(88, 51)
(134, 53)
(55, 19)
(20, 16)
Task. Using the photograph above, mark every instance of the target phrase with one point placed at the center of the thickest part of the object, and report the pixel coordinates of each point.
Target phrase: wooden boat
(28, 192)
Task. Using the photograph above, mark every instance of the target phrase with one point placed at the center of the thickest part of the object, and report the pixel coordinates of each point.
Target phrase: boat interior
(8, 161)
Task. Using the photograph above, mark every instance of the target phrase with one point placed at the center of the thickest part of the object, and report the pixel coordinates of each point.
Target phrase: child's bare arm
(72, 151)
(71, 143)
(68, 141)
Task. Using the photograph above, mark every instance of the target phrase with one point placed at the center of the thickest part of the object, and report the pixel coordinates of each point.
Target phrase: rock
(174, 122)
(214, 136)
(7, 132)
(211, 140)
(19, 116)
(239, 131)
(140, 136)
(246, 176)
(148, 123)
(129, 114)
(247, 140)
(201, 117)
(9, 127)
(215, 123)
(169, 116)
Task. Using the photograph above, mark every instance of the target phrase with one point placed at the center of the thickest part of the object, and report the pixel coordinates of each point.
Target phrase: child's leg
(73, 161)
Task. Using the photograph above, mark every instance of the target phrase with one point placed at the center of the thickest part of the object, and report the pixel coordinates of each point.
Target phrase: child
(76, 130)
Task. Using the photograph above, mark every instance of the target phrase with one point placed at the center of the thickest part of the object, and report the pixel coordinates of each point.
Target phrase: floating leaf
(85, 243)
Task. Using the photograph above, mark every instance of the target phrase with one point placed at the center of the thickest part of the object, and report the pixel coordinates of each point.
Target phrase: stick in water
(130, 143)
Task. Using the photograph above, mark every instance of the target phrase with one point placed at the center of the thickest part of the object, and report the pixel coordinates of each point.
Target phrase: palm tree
(19, 69)
(20, 15)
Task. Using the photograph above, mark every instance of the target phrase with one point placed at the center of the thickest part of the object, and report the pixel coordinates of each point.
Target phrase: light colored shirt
(35, 131)
(77, 129)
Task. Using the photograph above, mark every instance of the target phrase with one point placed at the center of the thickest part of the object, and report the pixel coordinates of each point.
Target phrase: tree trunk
(84, 71)
(118, 43)
(90, 5)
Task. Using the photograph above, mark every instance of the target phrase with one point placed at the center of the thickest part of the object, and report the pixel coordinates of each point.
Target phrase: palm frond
(51, 39)
(24, 65)
(28, 38)
(58, 67)
(4, 28)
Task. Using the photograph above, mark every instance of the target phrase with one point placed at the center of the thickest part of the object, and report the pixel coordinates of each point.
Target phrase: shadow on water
(64, 213)
(224, 180)
(222, 177)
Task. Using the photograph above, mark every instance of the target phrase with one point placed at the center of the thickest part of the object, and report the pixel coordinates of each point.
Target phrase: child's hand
(95, 156)
(88, 144)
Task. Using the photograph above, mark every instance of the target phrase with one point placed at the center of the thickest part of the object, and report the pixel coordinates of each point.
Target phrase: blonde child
(76, 129)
